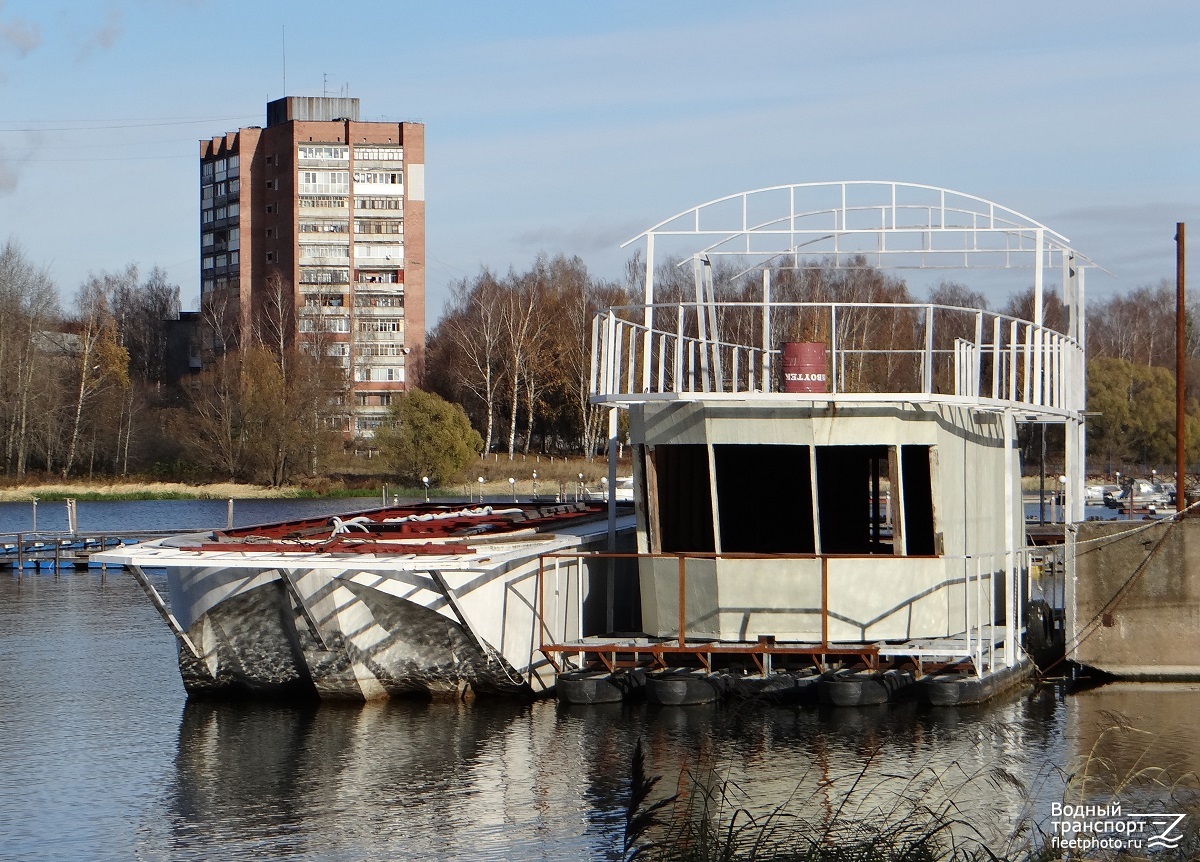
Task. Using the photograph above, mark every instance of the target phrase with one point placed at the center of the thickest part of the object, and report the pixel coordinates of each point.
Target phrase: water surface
(105, 758)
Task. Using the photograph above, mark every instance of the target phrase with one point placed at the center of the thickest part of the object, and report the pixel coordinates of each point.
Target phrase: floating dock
(667, 674)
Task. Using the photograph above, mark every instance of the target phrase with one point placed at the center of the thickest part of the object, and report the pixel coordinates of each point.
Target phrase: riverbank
(151, 491)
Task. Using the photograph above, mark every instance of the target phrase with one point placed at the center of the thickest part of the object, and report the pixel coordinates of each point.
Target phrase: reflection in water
(1136, 742)
(104, 758)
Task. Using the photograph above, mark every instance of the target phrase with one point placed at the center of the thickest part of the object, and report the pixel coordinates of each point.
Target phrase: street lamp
(425, 482)
(535, 484)
(480, 489)
(512, 484)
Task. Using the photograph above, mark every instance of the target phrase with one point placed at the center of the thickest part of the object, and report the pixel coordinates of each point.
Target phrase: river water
(103, 756)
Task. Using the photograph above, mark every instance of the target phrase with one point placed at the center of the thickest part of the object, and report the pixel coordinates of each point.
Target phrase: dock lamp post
(512, 486)
(579, 490)
(425, 482)
(604, 482)
(480, 489)
(535, 484)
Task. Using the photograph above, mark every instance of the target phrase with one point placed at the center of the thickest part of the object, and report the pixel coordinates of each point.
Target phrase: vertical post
(682, 602)
(701, 324)
(677, 377)
(927, 371)
(648, 313)
(229, 514)
(824, 601)
(35, 514)
(833, 350)
(611, 585)
(1180, 368)
(766, 332)
(1012, 499)
(710, 293)
(1039, 243)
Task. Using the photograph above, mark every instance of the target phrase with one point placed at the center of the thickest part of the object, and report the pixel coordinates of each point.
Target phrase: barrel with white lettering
(804, 367)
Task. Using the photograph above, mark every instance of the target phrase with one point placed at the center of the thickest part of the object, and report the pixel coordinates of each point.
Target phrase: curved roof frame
(887, 224)
(891, 224)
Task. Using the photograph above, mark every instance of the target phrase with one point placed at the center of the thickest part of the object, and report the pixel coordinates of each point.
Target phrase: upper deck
(721, 342)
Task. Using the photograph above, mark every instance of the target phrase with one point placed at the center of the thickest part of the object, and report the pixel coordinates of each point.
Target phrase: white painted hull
(363, 627)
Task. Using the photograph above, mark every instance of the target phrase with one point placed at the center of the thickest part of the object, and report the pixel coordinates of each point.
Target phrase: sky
(569, 127)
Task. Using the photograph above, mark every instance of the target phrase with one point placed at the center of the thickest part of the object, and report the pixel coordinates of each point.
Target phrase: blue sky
(569, 126)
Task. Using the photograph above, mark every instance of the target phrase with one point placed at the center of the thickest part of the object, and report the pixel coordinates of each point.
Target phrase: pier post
(1180, 369)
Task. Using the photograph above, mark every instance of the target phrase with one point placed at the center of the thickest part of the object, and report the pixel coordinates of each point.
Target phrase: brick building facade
(323, 216)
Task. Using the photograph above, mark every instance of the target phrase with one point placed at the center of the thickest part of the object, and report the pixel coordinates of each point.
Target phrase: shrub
(427, 436)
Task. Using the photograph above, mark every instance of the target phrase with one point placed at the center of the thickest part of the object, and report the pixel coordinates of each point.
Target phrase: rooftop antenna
(325, 84)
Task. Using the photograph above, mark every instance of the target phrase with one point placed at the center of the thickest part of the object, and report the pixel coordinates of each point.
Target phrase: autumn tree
(101, 364)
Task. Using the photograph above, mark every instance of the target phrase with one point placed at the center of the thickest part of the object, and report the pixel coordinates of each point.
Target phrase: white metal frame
(1037, 374)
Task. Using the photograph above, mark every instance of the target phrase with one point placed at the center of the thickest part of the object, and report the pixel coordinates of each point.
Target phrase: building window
(206, 239)
(323, 151)
(324, 182)
(367, 203)
(388, 226)
(378, 154)
(324, 227)
(382, 324)
(270, 209)
(269, 232)
(324, 276)
(379, 177)
(272, 185)
(233, 209)
(371, 300)
(270, 257)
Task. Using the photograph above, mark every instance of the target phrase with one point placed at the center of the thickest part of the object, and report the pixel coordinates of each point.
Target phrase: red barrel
(804, 367)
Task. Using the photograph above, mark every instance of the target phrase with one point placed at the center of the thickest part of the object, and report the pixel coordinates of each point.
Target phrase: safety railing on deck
(872, 349)
(566, 578)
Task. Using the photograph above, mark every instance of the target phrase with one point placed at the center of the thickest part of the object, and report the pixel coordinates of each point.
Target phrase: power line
(121, 125)
(106, 159)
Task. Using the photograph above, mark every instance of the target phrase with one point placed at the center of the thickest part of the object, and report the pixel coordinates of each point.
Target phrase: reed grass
(874, 815)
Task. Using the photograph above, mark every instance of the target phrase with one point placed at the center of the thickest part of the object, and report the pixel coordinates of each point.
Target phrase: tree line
(85, 388)
(515, 350)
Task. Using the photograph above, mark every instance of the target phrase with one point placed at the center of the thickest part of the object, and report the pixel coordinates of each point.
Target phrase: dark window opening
(764, 499)
(682, 499)
(917, 504)
(853, 511)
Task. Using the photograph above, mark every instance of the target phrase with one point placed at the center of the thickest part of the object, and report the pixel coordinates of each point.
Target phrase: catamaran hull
(258, 643)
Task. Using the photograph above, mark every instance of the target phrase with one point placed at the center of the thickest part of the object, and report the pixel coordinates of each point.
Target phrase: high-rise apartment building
(328, 213)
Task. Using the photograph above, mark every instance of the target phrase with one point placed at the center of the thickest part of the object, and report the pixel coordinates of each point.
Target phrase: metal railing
(874, 349)
(564, 578)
